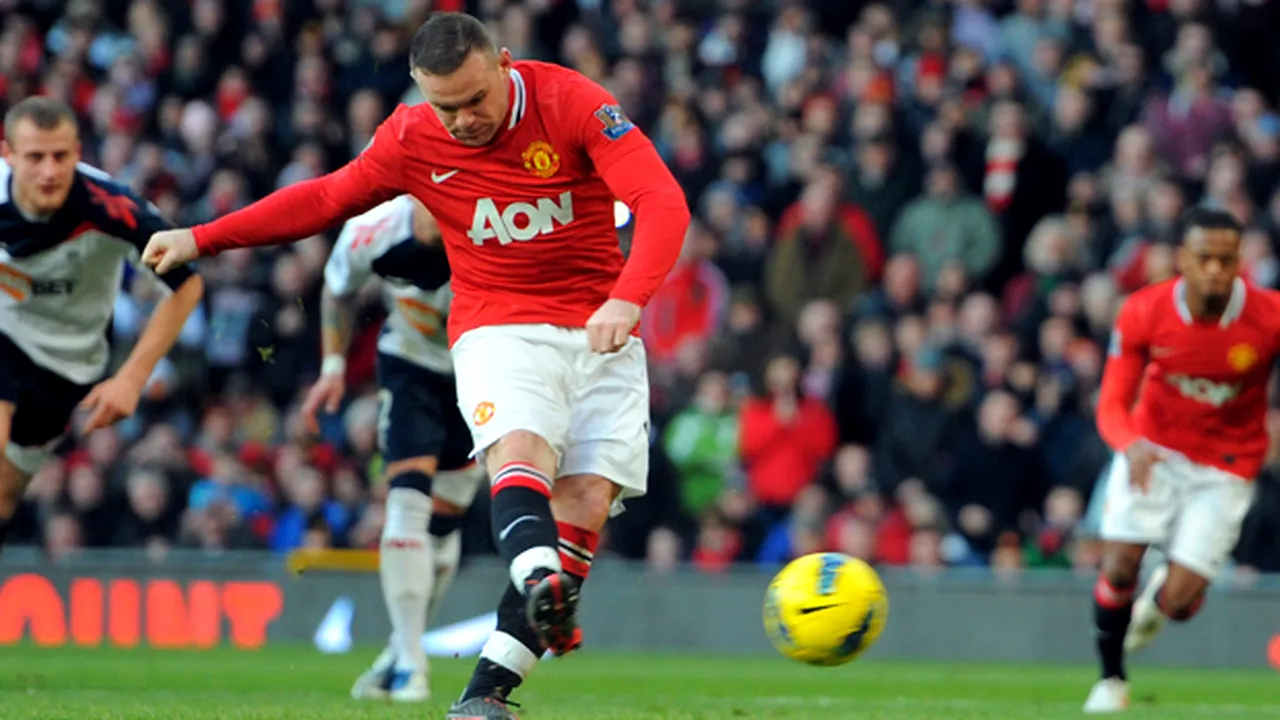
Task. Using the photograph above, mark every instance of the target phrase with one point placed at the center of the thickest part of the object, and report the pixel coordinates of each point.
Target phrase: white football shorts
(592, 409)
(1192, 511)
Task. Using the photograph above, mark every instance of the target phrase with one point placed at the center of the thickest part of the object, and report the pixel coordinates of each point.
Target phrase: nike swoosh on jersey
(438, 178)
(512, 525)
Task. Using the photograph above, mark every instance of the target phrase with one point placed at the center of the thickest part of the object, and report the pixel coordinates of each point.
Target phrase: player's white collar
(1235, 305)
(520, 98)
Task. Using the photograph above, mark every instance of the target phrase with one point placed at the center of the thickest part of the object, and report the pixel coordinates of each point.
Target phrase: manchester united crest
(541, 159)
(482, 413)
(1242, 357)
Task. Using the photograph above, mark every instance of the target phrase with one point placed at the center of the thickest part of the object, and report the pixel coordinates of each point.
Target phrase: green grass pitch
(300, 684)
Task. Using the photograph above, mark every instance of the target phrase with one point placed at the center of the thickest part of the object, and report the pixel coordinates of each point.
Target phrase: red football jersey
(1203, 384)
(527, 220)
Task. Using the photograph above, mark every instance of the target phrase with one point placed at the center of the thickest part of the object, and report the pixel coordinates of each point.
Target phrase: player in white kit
(423, 439)
(66, 231)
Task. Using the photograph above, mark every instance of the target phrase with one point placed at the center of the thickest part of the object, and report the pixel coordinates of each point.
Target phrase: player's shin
(446, 552)
(406, 566)
(524, 530)
(1112, 611)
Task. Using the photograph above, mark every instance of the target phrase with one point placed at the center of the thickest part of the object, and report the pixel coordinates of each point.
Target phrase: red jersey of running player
(1203, 384)
(527, 220)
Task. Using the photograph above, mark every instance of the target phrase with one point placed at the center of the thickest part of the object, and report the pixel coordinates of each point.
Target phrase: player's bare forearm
(162, 331)
(293, 213)
(337, 323)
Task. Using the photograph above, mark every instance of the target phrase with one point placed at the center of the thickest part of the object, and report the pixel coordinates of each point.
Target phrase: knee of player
(414, 480)
(521, 446)
(1121, 570)
(444, 507)
(1120, 577)
(410, 466)
(13, 483)
(582, 500)
(1180, 606)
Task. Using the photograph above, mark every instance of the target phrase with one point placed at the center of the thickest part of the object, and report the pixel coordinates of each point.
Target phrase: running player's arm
(1126, 361)
(631, 167)
(131, 219)
(307, 208)
(350, 266)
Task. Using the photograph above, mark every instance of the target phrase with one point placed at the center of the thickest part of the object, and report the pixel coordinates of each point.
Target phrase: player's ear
(505, 59)
(6, 151)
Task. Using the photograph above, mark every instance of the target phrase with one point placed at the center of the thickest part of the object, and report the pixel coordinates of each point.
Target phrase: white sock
(535, 558)
(407, 573)
(510, 653)
(447, 553)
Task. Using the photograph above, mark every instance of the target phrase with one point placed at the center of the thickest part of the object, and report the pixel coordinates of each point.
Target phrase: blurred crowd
(914, 222)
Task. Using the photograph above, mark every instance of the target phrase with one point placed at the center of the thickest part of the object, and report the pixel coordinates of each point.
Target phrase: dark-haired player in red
(520, 163)
(1196, 353)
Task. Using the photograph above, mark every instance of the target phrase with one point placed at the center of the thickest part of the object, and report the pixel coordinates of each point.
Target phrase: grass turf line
(286, 683)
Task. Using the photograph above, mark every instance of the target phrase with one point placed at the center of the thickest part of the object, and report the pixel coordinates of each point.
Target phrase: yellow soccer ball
(825, 609)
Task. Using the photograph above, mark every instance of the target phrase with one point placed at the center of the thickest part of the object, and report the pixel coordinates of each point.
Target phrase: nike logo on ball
(816, 608)
(438, 178)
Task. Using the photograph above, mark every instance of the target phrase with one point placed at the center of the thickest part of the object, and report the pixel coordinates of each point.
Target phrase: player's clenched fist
(327, 393)
(611, 325)
(1142, 458)
(169, 249)
(111, 401)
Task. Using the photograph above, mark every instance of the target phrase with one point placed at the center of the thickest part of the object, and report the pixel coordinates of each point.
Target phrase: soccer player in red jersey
(520, 163)
(1196, 353)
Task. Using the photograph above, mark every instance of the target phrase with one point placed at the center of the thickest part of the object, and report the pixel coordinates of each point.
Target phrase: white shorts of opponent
(1192, 511)
(592, 409)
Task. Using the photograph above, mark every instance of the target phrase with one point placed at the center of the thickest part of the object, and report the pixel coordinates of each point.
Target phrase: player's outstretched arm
(295, 212)
(117, 397)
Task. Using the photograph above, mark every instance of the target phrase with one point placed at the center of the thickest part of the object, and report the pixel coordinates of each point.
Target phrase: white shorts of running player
(1192, 511)
(592, 409)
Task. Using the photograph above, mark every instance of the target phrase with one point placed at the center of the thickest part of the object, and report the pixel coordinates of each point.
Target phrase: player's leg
(12, 482)
(514, 388)
(455, 490)
(526, 535)
(581, 506)
(607, 457)
(411, 435)
(35, 408)
(612, 404)
(1131, 521)
(1212, 508)
(407, 572)
(453, 494)
(1113, 604)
